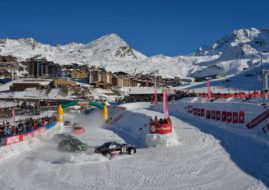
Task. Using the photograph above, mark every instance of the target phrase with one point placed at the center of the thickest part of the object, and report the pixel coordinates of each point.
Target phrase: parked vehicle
(110, 149)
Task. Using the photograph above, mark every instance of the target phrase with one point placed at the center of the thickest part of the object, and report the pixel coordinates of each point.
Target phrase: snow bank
(169, 139)
(134, 123)
(251, 108)
(27, 145)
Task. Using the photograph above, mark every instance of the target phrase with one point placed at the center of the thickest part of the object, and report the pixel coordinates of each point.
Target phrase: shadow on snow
(250, 156)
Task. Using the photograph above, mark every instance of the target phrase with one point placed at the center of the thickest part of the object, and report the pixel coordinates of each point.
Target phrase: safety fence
(224, 116)
(242, 95)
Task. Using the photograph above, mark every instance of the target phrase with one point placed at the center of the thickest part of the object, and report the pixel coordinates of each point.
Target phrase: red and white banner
(225, 116)
(12, 140)
(22, 137)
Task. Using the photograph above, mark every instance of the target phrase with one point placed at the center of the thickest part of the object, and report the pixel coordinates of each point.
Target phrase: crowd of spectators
(8, 129)
(161, 121)
(150, 97)
(183, 94)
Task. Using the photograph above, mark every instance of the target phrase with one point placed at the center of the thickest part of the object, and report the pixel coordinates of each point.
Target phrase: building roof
(64, 82)
(42, 82)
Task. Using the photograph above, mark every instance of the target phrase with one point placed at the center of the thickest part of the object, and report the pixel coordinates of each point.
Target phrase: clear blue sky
(170, 27)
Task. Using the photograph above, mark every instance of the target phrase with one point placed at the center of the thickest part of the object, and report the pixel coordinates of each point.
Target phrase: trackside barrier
(260, 118)
(202, 112)
(218, 115)
(234, 95)
(241, 117)
(229, 117)
(235, 117)
(189, 109)
(213, 114)
(225, 116)
(208, 114)
(24, 136)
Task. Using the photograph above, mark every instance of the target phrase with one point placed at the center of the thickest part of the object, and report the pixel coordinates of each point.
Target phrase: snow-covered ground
(207, 157)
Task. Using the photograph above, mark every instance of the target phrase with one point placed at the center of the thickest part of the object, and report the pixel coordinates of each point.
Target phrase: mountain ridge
(230, 54)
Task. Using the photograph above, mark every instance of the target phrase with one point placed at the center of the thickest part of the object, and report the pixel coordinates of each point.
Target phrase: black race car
(72, 145)
(110, 149)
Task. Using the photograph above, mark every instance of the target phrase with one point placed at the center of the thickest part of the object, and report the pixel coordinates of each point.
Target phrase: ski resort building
(22, 84)
(41, 68)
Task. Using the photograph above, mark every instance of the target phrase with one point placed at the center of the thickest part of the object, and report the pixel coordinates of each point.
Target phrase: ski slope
(207, 157)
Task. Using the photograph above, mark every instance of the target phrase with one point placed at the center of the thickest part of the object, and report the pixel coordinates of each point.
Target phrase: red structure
(77, 130)
(162, 125)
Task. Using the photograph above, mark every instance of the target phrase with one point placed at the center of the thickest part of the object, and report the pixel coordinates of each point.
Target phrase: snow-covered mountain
(229, 55)
(240, 49)
(110, 48)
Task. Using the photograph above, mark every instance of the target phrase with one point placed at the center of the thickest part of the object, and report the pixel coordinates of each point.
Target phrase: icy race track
(207, 158)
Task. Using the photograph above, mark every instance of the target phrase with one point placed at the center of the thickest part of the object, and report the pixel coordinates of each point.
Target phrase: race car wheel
(108, 155)
(131, 151)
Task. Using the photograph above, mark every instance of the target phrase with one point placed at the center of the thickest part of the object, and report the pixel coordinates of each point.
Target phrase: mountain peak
(28, 41)
(237, 44)
(109, 41)
(112, 36)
